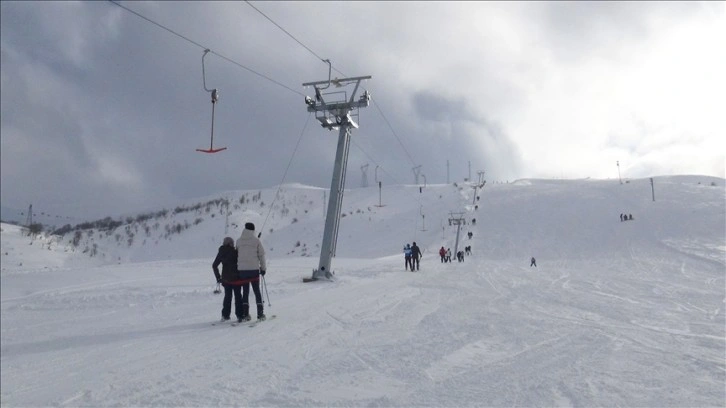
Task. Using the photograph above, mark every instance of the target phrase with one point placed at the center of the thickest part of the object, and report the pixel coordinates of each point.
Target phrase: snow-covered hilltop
(617, 313)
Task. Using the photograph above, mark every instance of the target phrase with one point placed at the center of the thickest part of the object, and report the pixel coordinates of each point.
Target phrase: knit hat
(250, 226)
(228, 241)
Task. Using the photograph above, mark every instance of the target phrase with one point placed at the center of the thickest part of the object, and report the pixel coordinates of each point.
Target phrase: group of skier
(243, 263)
(412, 256)
(445, 254)
(626, 217)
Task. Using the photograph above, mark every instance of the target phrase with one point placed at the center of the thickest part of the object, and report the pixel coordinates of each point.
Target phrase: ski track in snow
(640, 325)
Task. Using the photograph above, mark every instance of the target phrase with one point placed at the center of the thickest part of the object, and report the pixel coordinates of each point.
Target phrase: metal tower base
(320, 274)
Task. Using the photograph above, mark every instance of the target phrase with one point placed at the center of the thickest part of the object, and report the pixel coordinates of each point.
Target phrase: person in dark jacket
(407, 257)
(227, 256)
(415, 256)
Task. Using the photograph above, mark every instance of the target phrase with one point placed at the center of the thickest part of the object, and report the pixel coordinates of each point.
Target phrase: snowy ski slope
(615, 314)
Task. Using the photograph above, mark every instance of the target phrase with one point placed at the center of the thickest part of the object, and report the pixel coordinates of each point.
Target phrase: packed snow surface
(615, 313)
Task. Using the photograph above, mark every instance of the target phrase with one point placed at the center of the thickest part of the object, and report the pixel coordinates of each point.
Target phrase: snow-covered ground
(615, 314)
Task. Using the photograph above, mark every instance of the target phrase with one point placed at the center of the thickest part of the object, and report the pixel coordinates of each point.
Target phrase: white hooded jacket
(250, 253)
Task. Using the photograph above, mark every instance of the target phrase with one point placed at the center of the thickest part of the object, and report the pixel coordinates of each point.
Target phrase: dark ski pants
(409, 264)
(227, 301)
(443, 258)
(258, 297)
(414, 262)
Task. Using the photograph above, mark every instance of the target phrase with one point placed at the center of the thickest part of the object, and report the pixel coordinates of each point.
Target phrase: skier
(227, 256)
(621, 217)
(442, 254)
(448, 254)
(407, 256)
(533, 263)
(250, 265)
(460, 256)
(415, 255)
(630, 217)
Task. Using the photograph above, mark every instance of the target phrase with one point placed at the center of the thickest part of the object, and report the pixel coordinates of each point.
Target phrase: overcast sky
(102, 111)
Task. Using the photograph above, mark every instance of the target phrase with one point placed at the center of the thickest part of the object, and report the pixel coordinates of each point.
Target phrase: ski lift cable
(205, 48)
(286, 32)
(284, 175)
(394, 132)
(373, 161)
(251, 70)
(330, 68)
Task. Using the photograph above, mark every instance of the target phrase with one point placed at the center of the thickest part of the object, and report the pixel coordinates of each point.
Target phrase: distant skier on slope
(533, 263)
(227, 256)
(415, 255)
(442, 254)
(407, 256)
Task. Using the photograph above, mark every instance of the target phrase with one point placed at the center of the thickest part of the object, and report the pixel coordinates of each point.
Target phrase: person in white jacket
(250, 265)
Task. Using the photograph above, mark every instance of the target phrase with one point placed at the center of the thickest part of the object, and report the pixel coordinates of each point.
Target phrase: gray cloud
(102, 111)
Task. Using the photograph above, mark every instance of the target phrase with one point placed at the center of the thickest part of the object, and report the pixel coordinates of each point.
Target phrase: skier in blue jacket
(407, 256)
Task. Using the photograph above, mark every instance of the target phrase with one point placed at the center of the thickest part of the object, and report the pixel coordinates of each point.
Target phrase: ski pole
(264, 283)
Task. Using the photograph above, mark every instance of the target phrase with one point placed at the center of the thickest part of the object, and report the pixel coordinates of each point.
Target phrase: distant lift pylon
(215, 98)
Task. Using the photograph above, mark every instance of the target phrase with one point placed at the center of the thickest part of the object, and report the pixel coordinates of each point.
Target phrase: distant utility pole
(456, 219)
(226, 217)
(447, 171)
(416, 172)
(618, 163)
(652, 189)
(477, 185)
(380, 187)
(29, 218)
(364, 180)
(335, 114)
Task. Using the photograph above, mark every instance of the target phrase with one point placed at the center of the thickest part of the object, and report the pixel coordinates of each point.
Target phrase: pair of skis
(249, 324)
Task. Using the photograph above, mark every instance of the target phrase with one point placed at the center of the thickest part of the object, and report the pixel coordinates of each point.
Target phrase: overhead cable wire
(374, 162)
(284, 175)
(394, 132)
(341, 73)
(285, 31)
(163, 27)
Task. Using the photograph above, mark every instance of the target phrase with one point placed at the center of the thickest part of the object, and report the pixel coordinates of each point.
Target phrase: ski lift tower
(335, 110)
(456, 219)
